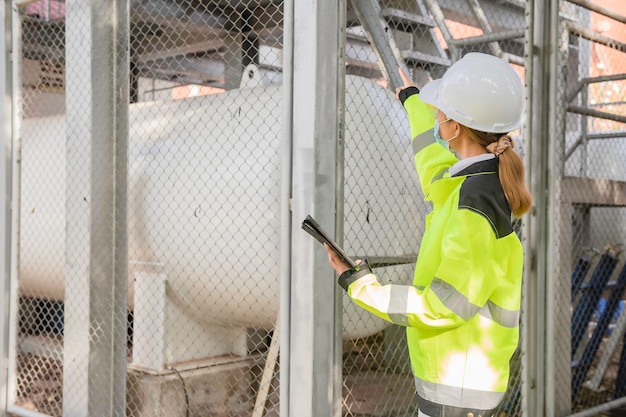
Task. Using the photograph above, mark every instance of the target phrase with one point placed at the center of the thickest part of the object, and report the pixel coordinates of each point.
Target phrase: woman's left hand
(335, 261)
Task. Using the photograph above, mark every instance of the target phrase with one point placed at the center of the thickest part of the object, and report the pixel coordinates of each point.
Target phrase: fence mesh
(388, 209)
(591, 233)
(205, 133)
(41, 110)
(204, 204)
(204, 170)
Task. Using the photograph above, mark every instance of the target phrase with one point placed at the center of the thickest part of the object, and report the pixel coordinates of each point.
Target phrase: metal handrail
(590, 5)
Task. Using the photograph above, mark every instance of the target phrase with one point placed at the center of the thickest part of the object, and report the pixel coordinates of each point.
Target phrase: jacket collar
(475, 165)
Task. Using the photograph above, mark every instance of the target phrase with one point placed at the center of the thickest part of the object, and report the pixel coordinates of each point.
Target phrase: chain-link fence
(39, 359)
(429, 36)
(205, 128)
(591, 231)
(203, 207)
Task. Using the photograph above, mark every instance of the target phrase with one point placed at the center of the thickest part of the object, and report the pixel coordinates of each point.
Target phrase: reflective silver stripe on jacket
(439, 176)
(502, 316)
(422, 140)
(453, 300)
(398, 305)
(456, 302)
(463, 308)
(457, 396)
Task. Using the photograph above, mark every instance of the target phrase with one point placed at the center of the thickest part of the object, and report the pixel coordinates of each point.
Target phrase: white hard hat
(479, 91)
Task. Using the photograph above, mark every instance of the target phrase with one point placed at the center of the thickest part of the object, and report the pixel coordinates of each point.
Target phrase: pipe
(604, 78)
(268, 372)
(592, 36)
(613, 135)
(594, 411)
(490, 37)
(585, 111)
(381, 261)
(24, 412)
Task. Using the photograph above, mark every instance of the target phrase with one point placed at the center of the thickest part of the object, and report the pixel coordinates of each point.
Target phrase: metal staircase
(402, 33)
(210, 43)
(401, 37)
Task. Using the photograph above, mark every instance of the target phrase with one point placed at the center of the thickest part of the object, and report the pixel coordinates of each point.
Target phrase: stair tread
(406, 20)
(422, 57)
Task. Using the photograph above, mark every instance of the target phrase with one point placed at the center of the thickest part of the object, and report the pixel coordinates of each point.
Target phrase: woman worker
(462, 311)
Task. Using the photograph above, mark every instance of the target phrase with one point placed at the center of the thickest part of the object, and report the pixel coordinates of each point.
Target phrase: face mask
(438, 136)
(443, 142)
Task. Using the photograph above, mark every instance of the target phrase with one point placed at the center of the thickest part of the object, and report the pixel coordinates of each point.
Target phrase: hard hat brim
(430, 92)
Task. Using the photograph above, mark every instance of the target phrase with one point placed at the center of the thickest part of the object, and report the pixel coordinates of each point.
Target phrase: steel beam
(94, 373)
(8, 215)
(316, 91)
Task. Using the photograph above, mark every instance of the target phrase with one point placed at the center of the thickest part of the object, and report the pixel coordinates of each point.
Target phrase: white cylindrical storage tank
(204, 199)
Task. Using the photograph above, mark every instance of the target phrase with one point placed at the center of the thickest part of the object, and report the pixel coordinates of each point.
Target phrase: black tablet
(313, 228)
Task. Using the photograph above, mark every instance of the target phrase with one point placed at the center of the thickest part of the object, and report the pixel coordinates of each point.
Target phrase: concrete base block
(164, 332)
(218, 390)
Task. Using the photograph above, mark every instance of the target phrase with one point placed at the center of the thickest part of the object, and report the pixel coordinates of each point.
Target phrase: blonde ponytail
(510, 169)
(511, 173)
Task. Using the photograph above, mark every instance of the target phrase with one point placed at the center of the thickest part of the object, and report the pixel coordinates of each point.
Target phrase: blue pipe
(579, 274)
(589, 299)
(620, 380)
(581, 368)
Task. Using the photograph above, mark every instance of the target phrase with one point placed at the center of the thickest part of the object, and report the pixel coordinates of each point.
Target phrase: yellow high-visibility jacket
(462, 311)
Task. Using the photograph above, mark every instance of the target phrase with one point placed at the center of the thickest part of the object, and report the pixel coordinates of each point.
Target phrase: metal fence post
(285, 203)
(96, 254)
(537, 354)
(6, 110)
(314, 349)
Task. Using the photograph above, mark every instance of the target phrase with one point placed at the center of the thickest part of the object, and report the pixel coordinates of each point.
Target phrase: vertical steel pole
(96, 244)
(560, 234)
(313, 388)
(6, 110)
(531, 367)
(119, 285)
(16, 172)
(285, 212)
(538, 320)
(532, 358)
(339, 200)
(77, 308)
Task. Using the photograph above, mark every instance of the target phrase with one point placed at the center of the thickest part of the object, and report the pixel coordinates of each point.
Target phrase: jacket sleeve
(461, 287)
(431, 159)
(404, 305)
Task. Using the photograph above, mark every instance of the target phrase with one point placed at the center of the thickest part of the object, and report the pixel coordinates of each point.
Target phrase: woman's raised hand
(405, 80)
